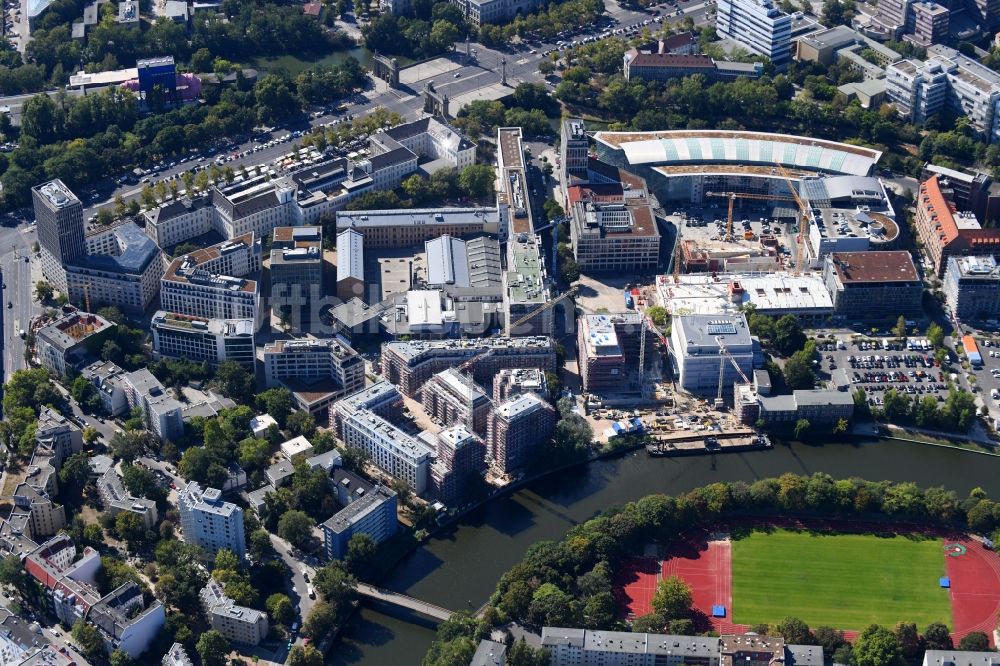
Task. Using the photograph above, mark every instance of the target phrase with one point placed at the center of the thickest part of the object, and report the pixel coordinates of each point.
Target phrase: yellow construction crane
(733, 196)
(803, 222)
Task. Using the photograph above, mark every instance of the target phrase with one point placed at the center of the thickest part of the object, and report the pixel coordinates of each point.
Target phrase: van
(995, 394)
(311, 592)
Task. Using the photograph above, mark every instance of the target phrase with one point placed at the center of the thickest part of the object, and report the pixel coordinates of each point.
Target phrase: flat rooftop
(726, 293)
(860, 267)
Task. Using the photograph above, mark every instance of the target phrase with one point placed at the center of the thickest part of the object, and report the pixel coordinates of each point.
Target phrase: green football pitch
(845, 581)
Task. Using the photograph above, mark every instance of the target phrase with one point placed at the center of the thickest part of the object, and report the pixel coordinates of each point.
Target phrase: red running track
(635, 584)
(975, 589)
(706, 566)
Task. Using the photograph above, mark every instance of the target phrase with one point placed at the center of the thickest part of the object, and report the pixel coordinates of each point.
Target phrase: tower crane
(723, 356)
(648, 323)
(733, 196)
(803, 222)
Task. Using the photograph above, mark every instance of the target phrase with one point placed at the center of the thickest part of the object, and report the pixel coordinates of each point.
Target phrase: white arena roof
(698, 147)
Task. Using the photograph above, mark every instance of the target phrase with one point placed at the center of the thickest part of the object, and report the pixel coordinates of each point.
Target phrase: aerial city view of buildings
(267, 333)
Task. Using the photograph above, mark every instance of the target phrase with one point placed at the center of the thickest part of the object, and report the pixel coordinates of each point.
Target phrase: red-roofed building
(945, 233)
(313, 9)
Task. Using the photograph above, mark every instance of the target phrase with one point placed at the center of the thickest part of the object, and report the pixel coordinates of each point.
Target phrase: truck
(629, 303)
(972, 350)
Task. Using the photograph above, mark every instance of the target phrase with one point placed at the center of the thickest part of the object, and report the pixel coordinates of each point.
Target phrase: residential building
(414, 226)
(758, 25)
(128, 277)
(177, 656)
(212, 282)
(122, 617)
(510, 382)
(350, 264)
(409, 364)
(972, 287)
(930, 23)
(199, 339)
(260, 425)
(515, 428)
(873, 285)
(608, 348)
(666, 66)
(696, 344)
(61, 344)
(116, 499)
(947, 81)
(945, 233)
(960, 658)
(430, 137)
(109, 380)
(381, 398)
(367, 509)
(392, 450)
(489, 653)
(612, 234)
(454, 399)
(296, 270)
(209, 522)
(161, 411)
(582, 647)
(239, 624)
(479, 12)
(460, 460)
(279, 473)
(309, 360)
(819, 407)
(894, 17)
(57, 436)
(59, 216)
(525, 283)
(56, 439)
(296, 449)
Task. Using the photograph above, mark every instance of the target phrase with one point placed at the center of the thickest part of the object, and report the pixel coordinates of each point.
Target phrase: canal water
(460, 568)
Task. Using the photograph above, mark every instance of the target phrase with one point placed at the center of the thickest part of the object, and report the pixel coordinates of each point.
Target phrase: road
(298, 586)
(15, 245)
(52, 635)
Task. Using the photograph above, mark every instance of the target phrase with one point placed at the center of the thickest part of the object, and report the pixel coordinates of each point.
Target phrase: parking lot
(987, 377)
(877, 364)
(707, 224)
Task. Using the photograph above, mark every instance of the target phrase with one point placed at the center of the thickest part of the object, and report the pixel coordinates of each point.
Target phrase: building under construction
(610, 350)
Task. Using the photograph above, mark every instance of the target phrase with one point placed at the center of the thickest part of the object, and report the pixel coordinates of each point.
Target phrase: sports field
(847, 581)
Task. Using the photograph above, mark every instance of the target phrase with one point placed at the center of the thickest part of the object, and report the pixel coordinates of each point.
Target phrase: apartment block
(64, 342)
(177, 656)
(109, 380)
(930, 23)
(960, 658)
(296, 270)
(517, 426)
(974, 191)
(122, 617)
(239, 624)
(117, 499)
(34, 507)
(381, 399)
(873, 285)
(945, 233)
(161, 411)
(514, 381)
(972, 287)
(696, 343)
(460, 460)
(947, 81)
(179, 220)
(199, 339)
(367, 509)
(759, 26)
(392, 450)
(213, 282)
(209, 522)
(454, 399)
(609, 349)
(59, 216)
(253, 206)
(409, 365)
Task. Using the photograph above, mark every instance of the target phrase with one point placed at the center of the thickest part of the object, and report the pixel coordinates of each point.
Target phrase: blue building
(368, 509)
(161, 72)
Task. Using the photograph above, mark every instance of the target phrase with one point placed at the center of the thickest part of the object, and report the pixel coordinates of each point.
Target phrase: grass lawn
(845, 581)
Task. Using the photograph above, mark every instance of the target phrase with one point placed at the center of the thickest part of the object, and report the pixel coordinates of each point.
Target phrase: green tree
(279, 606)
(13, 575)
(213, 647)
(672, 599)
(522, 654)
(877, 646)
(88, 638)
(305, 656)
(788, 335)
(794, 631)
(277, 402)
(361, 550)
(937, 636)
(801, 427)
(301, 423)
(335, 583)
(476, 181)
(44, 291)
(260, 545)
(935, 334)
(974, 641)
(900, 328)
(552, 607)
(322, 619)
(234, 381)
(799, 373)
(911, 646)
(295, 527)
(119, 658)
(658, 314)
(130, 527)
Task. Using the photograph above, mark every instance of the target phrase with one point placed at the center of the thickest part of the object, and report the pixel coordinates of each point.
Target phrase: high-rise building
(573, 149)
(392, 450)
(296, 273)
(161, 411)
(461, 458)
(609, 349)
(759, 25)
(209, 522)
(452, 398)
(695, 342)
(972, 287)
(945, 233)
(59, 215)
(517, 426)
(367, 509)
(930, 23)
